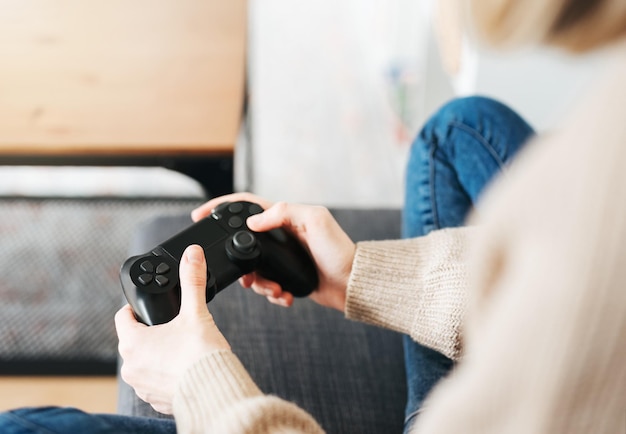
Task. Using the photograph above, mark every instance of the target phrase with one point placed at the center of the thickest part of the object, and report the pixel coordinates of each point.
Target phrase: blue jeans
(49, 420)
(455, 156)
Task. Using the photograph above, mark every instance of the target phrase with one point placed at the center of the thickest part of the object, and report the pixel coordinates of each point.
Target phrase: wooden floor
(97, 394)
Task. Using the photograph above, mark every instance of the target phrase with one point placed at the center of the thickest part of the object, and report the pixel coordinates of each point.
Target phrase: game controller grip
(287, 263)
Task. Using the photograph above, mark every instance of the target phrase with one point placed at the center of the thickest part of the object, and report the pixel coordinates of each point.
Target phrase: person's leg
(53, 420)
(457, 153)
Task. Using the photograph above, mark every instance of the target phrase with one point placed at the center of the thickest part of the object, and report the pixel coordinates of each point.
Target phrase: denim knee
(459, 150)
(488, 119)
(470, 108)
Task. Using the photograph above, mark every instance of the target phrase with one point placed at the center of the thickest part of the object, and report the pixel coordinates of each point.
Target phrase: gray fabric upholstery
(348, 375)
(59, 285)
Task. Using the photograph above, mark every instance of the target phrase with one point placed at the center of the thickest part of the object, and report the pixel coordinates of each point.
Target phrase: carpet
(59, 284)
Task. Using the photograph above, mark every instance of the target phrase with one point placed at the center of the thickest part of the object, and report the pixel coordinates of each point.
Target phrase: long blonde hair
(577, 25)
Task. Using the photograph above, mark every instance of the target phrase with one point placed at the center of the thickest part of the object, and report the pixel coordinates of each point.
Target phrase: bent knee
(469, 109)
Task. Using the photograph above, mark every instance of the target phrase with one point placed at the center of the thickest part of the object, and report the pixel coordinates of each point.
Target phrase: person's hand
(155, 357)
(331, 248)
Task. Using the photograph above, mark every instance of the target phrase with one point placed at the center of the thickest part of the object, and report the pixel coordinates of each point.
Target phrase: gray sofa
(348, 375)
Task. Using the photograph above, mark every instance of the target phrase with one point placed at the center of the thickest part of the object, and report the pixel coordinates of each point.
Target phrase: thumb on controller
(193, 276)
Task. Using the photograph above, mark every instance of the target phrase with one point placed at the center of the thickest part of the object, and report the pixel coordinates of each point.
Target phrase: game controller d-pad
(151, 282)
(154, 273)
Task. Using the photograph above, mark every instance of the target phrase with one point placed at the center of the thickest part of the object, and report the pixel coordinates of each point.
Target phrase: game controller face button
(235, 222)
(255, 209)
(218, 210)
(162, 281)
(145, 279)
(222, 206)
(235, 208)
(244, 242)
(162, 268)
(147, 266)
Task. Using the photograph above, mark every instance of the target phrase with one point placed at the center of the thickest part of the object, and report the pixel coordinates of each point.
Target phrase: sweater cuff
(212, 384)
(414, 286)
(379, 290)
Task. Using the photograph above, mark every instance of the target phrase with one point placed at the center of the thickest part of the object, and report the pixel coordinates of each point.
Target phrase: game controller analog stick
(244, 242)
(151, 282)
(242, 246)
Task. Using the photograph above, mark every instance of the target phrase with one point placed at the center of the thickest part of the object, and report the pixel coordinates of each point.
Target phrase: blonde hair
(577, 25)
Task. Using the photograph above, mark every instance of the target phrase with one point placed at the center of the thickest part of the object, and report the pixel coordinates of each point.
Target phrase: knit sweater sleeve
(217, 395)
(417, 286)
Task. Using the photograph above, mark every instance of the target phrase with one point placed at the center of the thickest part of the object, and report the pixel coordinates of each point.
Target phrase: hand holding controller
(151, 282)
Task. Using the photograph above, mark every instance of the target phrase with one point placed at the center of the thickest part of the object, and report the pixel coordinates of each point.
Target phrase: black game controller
(151, 282)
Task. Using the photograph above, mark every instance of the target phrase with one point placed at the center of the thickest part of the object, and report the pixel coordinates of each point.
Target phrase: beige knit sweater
(542, 313)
